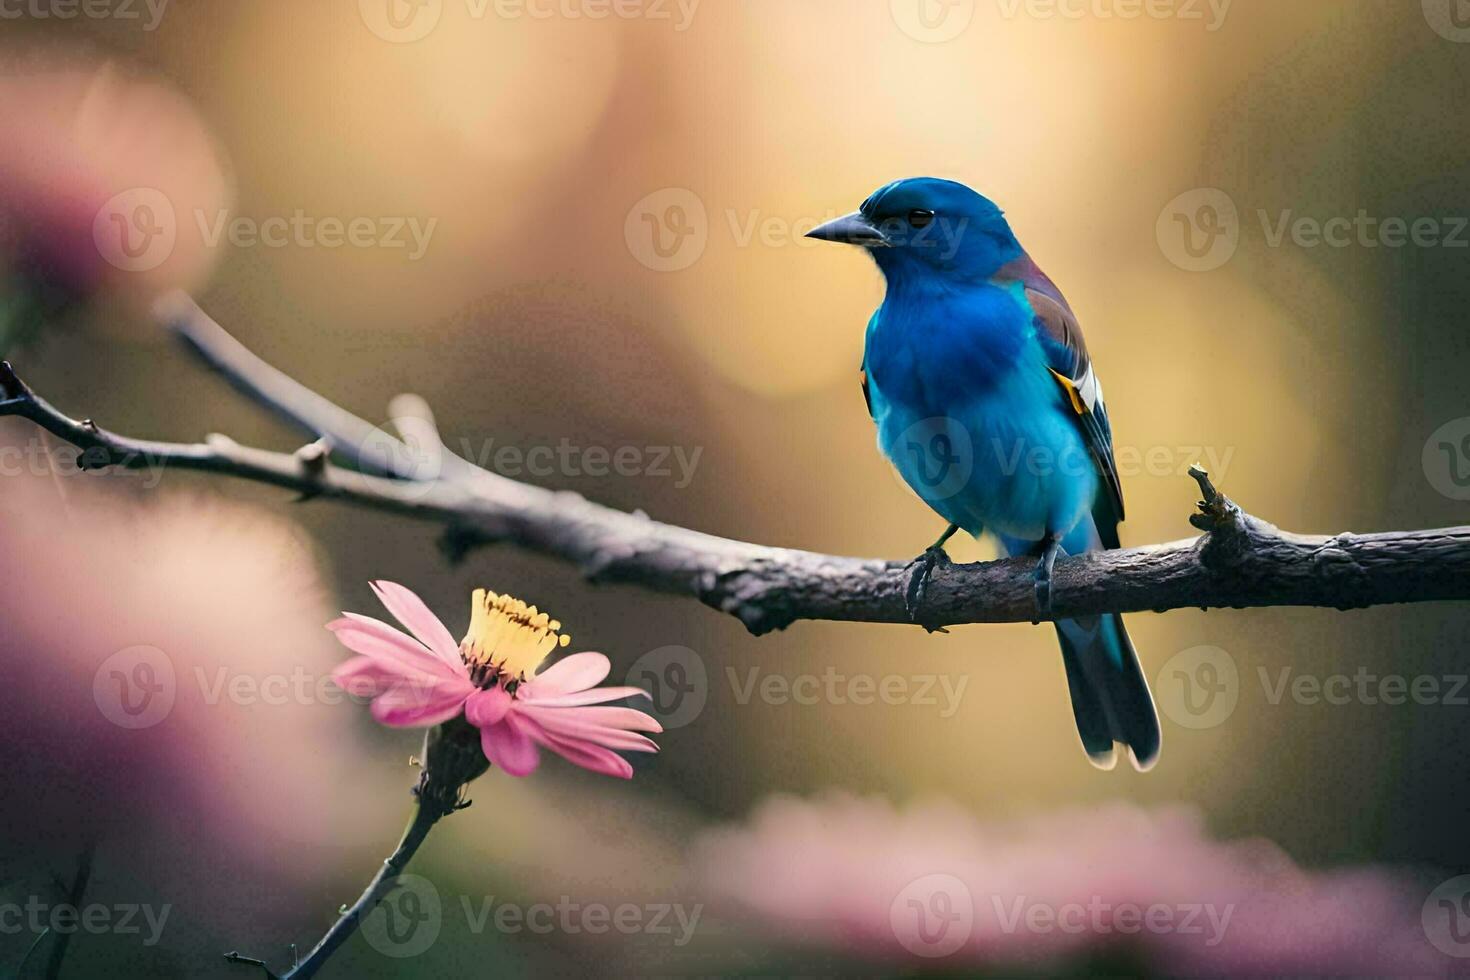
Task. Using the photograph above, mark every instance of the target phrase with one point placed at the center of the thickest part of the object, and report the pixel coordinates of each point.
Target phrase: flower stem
(424, 818)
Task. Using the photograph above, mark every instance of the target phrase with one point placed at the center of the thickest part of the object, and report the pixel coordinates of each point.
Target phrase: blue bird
(978, 378)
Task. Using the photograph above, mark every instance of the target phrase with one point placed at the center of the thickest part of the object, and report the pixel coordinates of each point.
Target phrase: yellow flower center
(508, 637)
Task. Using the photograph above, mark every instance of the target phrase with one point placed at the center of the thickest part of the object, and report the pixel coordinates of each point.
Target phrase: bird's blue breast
(969, 414)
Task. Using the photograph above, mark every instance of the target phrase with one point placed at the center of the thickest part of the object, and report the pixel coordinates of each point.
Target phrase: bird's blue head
(924, 226)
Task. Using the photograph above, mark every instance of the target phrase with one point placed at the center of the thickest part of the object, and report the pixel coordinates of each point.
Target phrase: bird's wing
(1066, 350)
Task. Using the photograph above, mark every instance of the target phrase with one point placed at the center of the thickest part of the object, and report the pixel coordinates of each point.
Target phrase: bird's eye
(919, 218)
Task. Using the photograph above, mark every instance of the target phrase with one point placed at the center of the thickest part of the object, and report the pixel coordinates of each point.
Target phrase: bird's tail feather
(1110, 695)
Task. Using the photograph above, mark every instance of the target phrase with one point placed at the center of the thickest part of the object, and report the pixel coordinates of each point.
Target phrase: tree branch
(1239, 562)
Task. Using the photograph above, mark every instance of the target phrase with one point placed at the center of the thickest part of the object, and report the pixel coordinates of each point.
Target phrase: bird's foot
(918, 588)
(1050, 546)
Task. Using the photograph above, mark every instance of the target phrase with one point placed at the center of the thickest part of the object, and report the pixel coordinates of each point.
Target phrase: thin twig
(349, 917)
(74, 900)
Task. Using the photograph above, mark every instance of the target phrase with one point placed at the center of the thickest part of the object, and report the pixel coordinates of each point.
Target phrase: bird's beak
(852, 229)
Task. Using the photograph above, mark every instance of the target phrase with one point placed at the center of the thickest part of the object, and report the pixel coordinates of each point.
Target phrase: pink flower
(427, 679)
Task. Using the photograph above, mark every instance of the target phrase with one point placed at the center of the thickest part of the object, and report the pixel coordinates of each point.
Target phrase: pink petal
(562, 722)
(575, 751)
(596, 695)
(488, 707)
(509, 749)
(371, 638)
(567, 676)
(420, 706)
(411, 611)
(364, 677)
(604, 717)
(588, 756)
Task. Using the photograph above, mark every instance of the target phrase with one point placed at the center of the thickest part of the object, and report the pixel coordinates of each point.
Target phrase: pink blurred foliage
(76, 132)
(848, 874)
(219, 774)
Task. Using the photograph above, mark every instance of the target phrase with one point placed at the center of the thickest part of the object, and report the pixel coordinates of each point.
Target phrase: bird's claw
(918, 587)
(1043, 590)
(1050, 548)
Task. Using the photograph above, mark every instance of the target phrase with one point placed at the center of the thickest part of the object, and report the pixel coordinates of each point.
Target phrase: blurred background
(575, 227)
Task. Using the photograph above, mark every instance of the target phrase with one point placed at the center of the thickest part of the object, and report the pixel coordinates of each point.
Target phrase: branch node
(313, 456)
